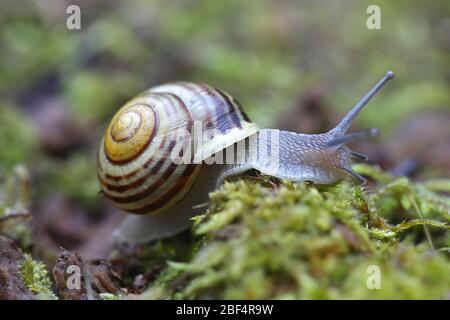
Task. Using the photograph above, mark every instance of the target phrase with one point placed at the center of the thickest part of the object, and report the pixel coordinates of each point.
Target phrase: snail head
(337, 138)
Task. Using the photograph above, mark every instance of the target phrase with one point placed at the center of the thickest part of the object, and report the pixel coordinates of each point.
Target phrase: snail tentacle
(359, 155)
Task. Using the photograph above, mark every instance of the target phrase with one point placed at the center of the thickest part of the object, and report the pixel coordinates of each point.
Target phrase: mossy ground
(264, 240)
(36, 278)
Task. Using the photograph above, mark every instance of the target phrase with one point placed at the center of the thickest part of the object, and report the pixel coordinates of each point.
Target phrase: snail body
(158, 157)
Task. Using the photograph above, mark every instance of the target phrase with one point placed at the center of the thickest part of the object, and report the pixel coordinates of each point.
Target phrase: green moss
(19, 138)
(35, 277)
(84, 188)
(109, 296)
(14, 205)
(93, 96)
(303, 241)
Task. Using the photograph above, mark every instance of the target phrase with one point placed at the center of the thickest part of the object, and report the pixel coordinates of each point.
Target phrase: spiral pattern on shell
(135, 163)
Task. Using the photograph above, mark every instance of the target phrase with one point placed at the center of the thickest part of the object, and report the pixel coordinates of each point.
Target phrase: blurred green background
(60, 87)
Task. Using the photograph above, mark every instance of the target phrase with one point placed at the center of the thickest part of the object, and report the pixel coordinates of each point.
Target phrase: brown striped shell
(135, 163)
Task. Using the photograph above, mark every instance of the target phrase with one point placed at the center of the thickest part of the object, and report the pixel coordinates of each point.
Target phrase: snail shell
(135, 164)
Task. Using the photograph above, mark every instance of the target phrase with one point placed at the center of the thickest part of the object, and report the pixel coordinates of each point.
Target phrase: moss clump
(35, 277)
(19, 138)
(303, 241)
(14, 203)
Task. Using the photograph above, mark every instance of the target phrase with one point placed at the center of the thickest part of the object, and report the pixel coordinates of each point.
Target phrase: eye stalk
(345, 123)
(353, 136)
(338, 135)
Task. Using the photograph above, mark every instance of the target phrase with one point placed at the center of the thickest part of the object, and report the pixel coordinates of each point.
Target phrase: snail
(158, 157)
